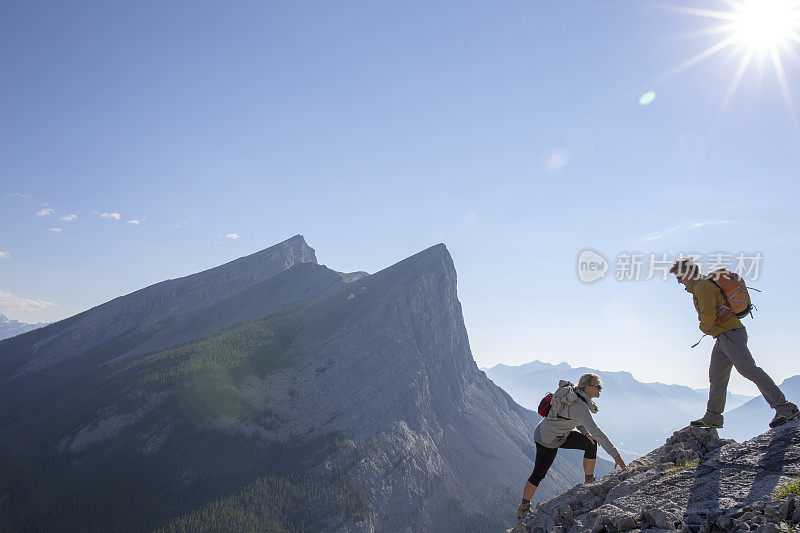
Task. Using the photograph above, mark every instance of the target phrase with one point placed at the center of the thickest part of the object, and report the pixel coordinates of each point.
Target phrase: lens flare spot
(647, 98)
(555, 160)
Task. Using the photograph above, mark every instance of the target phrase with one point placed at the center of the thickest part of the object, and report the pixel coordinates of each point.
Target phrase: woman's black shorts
(545, 456)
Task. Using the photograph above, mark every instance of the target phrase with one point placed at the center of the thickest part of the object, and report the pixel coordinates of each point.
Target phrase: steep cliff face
(142, 320)
(387, 361)
(696, 482)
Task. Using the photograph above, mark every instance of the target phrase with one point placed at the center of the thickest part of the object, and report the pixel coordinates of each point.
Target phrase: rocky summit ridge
(695, 482)
(174, 311)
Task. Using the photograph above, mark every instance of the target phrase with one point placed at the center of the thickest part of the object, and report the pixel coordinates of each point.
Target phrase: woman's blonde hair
(588, 380)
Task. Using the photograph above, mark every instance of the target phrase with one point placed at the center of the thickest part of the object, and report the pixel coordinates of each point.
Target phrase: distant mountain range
(752, 418)
(11, 328)
(637, 416)
(270, 393)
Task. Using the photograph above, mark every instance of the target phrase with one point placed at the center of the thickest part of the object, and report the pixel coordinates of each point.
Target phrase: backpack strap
(579, 396)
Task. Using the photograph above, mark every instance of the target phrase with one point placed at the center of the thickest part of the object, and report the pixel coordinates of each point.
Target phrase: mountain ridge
(129, 320)
(748, 420)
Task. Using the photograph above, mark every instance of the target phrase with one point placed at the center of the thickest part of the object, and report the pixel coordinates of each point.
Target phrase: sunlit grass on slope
(681, 467)
(785, 490)
(251, 349)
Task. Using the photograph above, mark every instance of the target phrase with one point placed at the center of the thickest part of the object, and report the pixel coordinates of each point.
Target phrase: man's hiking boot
(702, 423)
(780, 419)
(589, 479)
(523, 509)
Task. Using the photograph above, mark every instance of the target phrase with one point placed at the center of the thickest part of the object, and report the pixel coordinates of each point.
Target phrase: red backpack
(544, 405)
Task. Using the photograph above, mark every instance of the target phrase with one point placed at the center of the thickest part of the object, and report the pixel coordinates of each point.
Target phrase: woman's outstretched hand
(618, 462)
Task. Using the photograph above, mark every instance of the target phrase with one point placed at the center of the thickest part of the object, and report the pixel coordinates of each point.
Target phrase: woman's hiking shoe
(780, 420)
(702, 423)
(590, 479)
(524, 507)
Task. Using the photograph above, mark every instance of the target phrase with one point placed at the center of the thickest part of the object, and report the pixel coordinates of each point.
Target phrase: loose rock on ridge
(695, 482)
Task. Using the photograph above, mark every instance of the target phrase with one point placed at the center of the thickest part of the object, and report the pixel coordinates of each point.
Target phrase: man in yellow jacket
(730, 349)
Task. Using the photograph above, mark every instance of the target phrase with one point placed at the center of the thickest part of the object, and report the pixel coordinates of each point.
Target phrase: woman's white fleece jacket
(568, 412)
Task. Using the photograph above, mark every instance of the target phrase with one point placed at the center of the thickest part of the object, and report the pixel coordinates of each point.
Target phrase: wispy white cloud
(12, 304)
(19, 195)
(470, 216)
(56, 230)
(115, 216)
(222, 237)
(68, 218)
(186, 222)
(45, 212)
(4, 255)
(684, 228)
(132, 221)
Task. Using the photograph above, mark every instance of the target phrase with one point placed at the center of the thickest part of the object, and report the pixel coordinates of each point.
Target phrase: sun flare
(764, 24)
(760, 29)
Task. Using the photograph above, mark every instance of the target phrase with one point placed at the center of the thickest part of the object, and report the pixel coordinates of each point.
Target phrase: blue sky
(510, 131)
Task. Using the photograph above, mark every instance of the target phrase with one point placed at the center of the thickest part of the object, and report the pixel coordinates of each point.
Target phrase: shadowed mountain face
(635, 415)
(356, 407)
(158, 316)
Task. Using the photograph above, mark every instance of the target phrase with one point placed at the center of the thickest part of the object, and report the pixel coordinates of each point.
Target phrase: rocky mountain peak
(695, 482)
(431, 263)
(418, 296)
(128, 321)
(269, 260)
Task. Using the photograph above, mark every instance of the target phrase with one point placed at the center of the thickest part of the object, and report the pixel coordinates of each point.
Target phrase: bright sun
(764, 24)
(760, 28)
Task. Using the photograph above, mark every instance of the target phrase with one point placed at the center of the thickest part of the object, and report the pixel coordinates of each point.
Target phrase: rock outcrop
(696, 482)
